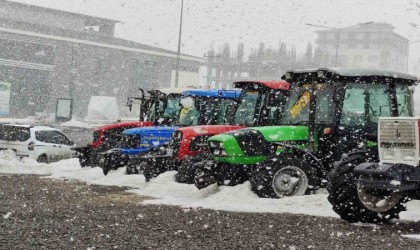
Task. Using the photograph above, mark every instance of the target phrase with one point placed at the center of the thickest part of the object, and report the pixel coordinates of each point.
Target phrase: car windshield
(297, 105)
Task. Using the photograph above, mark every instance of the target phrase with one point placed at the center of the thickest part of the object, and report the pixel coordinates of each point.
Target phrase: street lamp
(179, 46)
(338, 34)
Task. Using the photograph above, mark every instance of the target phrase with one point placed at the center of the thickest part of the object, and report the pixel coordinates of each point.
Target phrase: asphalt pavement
(42, 213)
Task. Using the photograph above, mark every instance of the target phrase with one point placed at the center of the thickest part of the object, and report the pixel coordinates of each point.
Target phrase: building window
(358, 60)
(330, 46)
(342, 60)
(374, 46)
(366, 45)
(374, 36)
(343, 46)
(359, 46)
(344, 36)
(330, 36)
(373, 59)
(360, 36)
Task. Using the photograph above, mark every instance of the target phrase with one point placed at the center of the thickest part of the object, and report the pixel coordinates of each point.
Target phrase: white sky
(206, 22)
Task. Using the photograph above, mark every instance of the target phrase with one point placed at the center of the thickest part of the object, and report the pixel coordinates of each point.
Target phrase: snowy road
(165, 191)
(55, 214)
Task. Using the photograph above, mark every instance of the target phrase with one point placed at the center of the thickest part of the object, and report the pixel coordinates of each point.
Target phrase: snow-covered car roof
(44, 128)
(34, 127)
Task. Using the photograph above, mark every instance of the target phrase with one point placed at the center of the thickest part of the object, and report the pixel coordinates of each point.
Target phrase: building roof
(94, 39)
(60, 12)
(372, 27)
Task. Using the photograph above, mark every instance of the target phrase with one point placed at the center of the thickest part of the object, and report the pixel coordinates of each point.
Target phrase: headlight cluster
(217, 148)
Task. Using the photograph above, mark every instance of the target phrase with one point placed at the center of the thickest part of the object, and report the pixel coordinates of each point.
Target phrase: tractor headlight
(217, 148)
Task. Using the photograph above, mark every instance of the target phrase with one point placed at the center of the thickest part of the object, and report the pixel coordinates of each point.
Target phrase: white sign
(5, 98)
(64, 108)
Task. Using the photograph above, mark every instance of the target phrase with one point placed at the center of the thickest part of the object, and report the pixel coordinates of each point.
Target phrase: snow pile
(238, 198)
(412, 236)
(11, 164)
(76, 124)
(28, 120)
(168, 192)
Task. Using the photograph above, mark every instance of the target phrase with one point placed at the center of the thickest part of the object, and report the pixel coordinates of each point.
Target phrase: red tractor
(259, 104)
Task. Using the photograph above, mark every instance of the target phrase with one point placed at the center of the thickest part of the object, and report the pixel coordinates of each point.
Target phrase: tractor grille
(397, 141)
(129, 141)
(397, 134)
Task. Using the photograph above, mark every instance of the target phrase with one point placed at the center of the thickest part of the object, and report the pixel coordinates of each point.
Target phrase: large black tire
(130, 171)
(343, 194)
(186, 171)
(150, 169)
(204, 174)
(285, 168)
(106, 170)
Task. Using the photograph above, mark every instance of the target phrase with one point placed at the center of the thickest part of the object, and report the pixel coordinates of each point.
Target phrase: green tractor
(329, 111)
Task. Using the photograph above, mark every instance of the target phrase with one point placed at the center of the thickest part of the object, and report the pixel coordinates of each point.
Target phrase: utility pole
(179, 47)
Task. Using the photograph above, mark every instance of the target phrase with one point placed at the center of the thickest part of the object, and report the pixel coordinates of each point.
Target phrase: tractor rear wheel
(282, 176)
(355, 203)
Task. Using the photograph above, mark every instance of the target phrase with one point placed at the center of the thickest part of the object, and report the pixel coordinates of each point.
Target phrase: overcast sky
(206, 22)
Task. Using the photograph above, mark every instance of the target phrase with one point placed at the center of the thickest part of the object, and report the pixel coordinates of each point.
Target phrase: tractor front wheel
(282, 176)
(355, 203)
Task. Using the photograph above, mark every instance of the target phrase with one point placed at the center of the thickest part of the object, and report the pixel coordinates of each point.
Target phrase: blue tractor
(197, 107)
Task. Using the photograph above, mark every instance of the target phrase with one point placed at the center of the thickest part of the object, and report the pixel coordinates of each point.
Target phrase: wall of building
(371, 46)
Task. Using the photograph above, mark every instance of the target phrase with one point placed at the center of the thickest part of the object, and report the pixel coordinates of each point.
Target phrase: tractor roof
(168, 91)
(213, 93)
(351, 73)
(120, 125)
(274, 84)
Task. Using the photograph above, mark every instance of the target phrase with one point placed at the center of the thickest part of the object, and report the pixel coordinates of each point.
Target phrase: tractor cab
(261, 102)
(340, 109)
(195, 107)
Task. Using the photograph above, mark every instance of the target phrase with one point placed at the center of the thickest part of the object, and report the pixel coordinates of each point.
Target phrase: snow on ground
(28, 120)
(77, 124)
(412, 236)
(166, 191)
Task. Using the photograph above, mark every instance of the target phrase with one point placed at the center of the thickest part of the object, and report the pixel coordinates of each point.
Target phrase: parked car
(42, 143)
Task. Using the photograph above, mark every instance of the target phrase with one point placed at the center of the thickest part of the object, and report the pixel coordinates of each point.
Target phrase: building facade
(373, 45)
(47, 54)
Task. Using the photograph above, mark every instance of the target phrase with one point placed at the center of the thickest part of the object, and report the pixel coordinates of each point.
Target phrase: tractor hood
(149, 137)
(255, 142)
(207, 130)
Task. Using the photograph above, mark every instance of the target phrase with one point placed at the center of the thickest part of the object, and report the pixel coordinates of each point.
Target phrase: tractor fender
(304, 155)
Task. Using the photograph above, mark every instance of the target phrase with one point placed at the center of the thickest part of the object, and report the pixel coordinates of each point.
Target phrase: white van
(42, 143)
